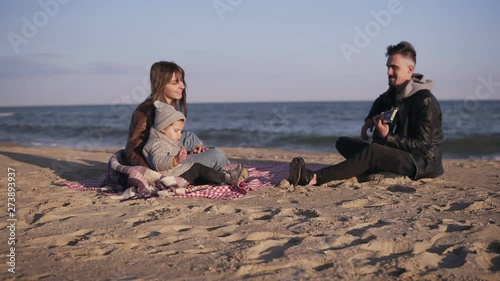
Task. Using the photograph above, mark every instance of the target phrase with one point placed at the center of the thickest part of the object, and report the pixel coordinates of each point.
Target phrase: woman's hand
(181, 156)
(198, 149)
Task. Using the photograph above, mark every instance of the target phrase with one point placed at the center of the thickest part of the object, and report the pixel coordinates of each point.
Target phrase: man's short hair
(403, 48)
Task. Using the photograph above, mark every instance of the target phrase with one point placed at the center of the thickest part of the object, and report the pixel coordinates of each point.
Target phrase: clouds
(112, 68)
(23, 67)
(53, 65)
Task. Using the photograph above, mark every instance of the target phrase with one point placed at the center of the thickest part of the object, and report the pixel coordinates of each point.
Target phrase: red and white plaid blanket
(145, 183)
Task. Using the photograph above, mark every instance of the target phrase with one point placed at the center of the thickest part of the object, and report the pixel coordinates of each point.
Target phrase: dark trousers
(362, 157)
(200, 174)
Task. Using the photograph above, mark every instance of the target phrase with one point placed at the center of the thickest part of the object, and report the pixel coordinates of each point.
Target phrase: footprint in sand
(303, 220)
(306, 213)
(387, 248)
(368, 202)
(41, 213)
(402, 189)
(455, 256)
(268, 250)
(157, 214)
(487, 247)
(494, 252)
(222, 209)
(449, 225)
(269, 256)
(431, 254)
(356, 235)
(70, 239)
(458, 206)
(85, 255)
(75, 237)
(265, 215)
(228, 234)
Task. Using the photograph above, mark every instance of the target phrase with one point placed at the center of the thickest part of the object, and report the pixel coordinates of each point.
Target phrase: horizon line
(221, 102)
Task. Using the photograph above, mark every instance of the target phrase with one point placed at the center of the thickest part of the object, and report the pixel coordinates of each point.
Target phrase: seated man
(408, 132)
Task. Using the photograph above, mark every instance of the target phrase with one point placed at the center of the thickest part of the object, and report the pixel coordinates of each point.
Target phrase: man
(406, 141)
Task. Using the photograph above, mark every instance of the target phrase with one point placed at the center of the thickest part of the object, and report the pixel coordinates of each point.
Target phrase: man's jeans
(362, 157)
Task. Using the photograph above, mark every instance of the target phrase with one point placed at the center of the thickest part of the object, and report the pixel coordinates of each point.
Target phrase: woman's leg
(189, 140)
(213, 158)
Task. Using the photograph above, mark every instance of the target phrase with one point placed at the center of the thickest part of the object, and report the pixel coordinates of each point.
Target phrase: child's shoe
(232, 177)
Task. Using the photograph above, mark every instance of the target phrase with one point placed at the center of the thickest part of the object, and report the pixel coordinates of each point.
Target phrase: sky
(75, 52)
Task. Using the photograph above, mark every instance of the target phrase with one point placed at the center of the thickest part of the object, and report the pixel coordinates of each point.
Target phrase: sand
(389, 228)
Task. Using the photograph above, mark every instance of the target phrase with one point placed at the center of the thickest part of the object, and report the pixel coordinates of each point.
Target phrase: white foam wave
(6, 114)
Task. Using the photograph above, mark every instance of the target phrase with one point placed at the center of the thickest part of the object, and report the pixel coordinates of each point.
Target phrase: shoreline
(385, 229)
(492, 157)
(370, 101)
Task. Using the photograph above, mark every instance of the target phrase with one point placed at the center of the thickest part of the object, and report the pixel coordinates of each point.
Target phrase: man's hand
(382, 127)
(368, 125)
(181, 156)
(198, 149)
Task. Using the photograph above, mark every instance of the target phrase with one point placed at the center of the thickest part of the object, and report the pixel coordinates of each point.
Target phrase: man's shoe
(296, 167)
(299, 175)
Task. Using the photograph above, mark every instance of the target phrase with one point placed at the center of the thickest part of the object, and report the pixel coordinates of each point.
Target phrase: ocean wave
(7, 114)
(472, 145)
(293, 126)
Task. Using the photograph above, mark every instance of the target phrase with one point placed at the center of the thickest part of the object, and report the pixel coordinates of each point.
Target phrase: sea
(471, 127)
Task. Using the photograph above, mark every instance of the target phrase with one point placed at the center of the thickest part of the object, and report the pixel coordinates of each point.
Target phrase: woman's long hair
(160, 75)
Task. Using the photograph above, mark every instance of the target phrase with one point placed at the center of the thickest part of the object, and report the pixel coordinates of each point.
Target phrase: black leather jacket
(417, 129)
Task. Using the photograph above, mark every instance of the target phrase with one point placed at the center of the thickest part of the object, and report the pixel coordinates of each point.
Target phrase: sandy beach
(387, 228)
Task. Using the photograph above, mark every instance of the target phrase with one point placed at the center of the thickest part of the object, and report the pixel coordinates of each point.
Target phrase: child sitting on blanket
(163, 153)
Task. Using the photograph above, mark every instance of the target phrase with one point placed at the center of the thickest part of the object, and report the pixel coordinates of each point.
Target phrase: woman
(168, 86)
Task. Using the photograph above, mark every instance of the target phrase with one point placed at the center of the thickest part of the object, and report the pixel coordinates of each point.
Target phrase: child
(163, 153)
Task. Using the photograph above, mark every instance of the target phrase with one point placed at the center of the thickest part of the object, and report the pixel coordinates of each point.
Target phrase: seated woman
(168, 86)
